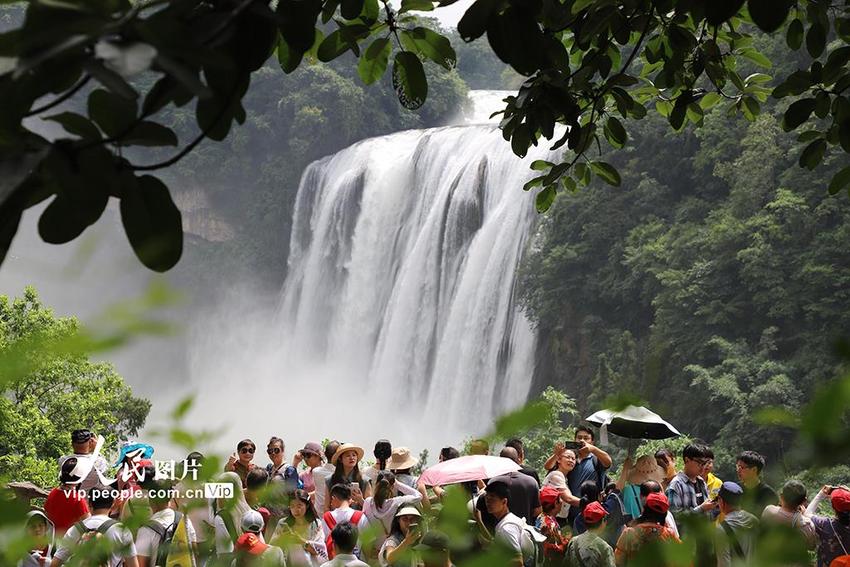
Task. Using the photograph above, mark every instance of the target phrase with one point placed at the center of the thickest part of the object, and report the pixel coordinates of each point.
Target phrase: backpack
(841, 560)
(531, 535)
(331, 523)
(165, 537)
(88, 537)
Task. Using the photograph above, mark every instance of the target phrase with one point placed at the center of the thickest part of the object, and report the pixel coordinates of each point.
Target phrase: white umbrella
(632, 422)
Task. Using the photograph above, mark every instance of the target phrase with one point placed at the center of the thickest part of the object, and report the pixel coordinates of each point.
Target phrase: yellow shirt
(713, 484)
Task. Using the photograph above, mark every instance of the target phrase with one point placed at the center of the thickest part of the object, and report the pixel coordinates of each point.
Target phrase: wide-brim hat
(646, 468)
(408, 511)
(345, 447)
(312, 448)
(401, 459)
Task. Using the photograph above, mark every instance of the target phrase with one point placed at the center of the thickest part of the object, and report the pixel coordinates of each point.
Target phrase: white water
(398, 317)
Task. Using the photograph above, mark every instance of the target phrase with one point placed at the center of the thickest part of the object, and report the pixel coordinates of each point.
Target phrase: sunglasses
(247, 450)
(273, 450)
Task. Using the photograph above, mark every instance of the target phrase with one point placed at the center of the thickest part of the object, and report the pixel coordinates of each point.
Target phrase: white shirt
(223, 541)
(147, 540)
(344, 515)
(511, 532)
(118, 535)
(345, 560)
(383, 518)
(320, 479)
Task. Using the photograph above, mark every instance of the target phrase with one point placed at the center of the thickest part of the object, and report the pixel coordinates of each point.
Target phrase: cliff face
(199, 216)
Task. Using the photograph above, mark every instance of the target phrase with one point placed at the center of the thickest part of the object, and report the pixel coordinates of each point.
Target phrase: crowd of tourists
(326, 506)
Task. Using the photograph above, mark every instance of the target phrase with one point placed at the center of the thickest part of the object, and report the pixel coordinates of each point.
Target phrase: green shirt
(589, 550)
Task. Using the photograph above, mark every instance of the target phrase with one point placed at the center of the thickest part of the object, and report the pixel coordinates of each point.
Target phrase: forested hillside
(712, 283)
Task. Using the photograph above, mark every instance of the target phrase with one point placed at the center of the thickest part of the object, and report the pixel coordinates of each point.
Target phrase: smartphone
(573, 445)
(355, 487)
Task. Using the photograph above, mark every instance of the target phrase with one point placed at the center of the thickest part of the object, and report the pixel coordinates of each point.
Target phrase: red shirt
(65, 510)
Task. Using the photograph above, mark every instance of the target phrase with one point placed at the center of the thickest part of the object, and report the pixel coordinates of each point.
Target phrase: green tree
(63, 392)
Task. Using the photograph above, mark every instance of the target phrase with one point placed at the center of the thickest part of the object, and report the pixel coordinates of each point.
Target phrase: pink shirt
(307, 479)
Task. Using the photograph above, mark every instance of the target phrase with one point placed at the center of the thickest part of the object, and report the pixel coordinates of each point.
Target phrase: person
(434, 550)
(712, 483)
(613, 506)
(192, 503)
(687, 493)
(255, 484)
(405, 532)
(757, 494)
(446, 454)
(667, 461)
(278, 469)
(791, 512)
(736, 533)
(400, 463)
(84, 443)
(510, 530)
(588, 549)
(346, 460)
(250, 546)
(648, 529)
(557, 478)
(479, 447)
(152, 534)
(525, 492)
(228, 515)
(66, 504)
(42, 535)
(341, 511)
(382, 453)
(591, 464)
(833, 533)
(345, 536)
(311, 456)
(300, 534)
(651, 487)
(321, 475)
(555, 545)
(588, 492)
(632, 476)
(241, 462)
(517, 445)
(381, 508)
(99, 526)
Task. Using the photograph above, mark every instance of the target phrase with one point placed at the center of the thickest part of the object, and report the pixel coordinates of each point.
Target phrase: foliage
(61, 392)
(591, 65)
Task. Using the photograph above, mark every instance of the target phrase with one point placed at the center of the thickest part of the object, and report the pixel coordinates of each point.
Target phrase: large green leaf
(816, 39)
(430, 44)
(473, 24)
(615, 133)
(409, 80)
(543, 201)
(76, 124)
(798, 113)
(839, 181)
(813, 154)
(416, 5)
(153, 223)
(147, 133)
(606, 172)
(332, 47)
(374, 61)
(112, 112)
(297, 23)
(718, 11)
(794, 35)
(769, 15)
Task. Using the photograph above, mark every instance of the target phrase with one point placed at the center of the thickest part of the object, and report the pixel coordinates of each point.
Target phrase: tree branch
(60, 99)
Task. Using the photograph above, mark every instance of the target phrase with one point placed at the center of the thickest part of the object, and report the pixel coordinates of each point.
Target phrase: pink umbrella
(465, 469)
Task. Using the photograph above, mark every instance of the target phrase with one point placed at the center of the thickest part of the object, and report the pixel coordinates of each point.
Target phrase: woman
(228, 515)
(278, 470)
(381, 508)
(300, 534)
(397, 550)
(557, 478)
(589, 493)
(648, 528)
(240, 462)
(311, 456)
(400, 463)
(66, 505)
(833, 533)
(547, 524)
(347, 471)
(632, 476)
(41, 536)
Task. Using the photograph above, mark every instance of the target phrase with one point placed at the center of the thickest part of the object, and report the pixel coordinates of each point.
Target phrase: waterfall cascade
(400, 296)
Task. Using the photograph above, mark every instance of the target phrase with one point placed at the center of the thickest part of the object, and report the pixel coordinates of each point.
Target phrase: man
(757, 494)
(517, 445)
(434, 550)
(589, 549)
(153, 533)
(99, 526)
(250, 545)
(712, 483)
(687, 492)
(736, 534)
(322, 474)
(255, 483)
(525, 491)
(342, 512)
(510, 530)
(241, 462)
(345, 537)
(84, 443)
(591, 464)
(791, 512)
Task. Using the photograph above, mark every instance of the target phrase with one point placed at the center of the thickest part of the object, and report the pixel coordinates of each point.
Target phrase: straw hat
(401, 459)
(347, 447)
(646, 468)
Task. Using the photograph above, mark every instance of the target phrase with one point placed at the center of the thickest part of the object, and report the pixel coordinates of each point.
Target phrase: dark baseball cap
(81, 436)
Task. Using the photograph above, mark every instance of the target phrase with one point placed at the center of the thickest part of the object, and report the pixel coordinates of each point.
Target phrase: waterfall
(398, 316)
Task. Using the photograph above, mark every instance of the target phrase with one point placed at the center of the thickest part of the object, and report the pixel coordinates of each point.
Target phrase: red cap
(594, 513)
(264, 512)
(250, 543)
(657, 502)
(549, 496)
(840, 500)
